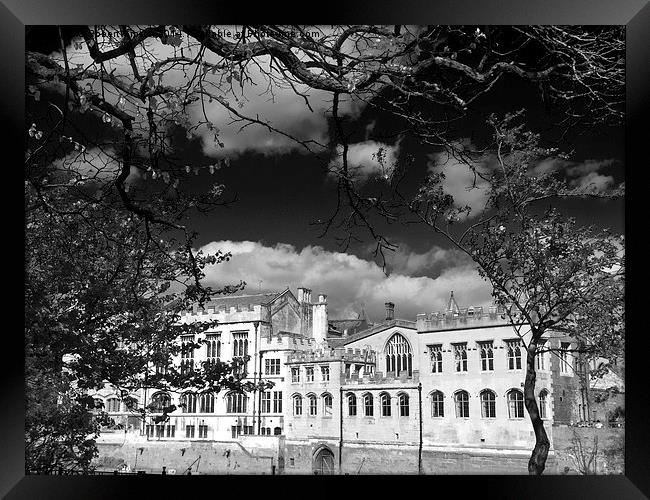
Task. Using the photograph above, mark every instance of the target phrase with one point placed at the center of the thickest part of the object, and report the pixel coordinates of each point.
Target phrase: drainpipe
(341, 429)
(420, 449)
(256, 323)
(259, 401)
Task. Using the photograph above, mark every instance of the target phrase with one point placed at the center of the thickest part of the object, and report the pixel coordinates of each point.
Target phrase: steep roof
(243, 300)
(403, 323)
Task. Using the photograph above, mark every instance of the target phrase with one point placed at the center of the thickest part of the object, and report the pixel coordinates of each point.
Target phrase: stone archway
(323, 463)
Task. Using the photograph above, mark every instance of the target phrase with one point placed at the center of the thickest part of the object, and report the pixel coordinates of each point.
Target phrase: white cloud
(347, 280)
(94, 164)
(582, 175)
(460, 180)
(364, 159)
(280, 105)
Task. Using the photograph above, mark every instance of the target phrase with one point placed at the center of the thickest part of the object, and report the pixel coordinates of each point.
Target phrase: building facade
(442, 394)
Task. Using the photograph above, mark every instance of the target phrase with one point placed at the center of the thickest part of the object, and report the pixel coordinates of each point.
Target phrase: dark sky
(282, 190)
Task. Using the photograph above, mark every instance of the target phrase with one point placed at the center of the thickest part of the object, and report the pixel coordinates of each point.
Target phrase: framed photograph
(391, 245)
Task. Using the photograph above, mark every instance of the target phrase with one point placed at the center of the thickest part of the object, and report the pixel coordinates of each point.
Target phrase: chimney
(304, 295)
(390, 311)
(319, 322)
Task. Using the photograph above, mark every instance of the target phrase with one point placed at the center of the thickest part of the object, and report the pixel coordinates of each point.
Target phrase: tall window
(213, 347)
(295, 374)
(462, 404)
(189, 431)
(239, 351)
(171, 431)
(488, 404)
(487, 356)
(403, 405)
(271, 367)
(206, 403)
(309, 373)
(266, 402)
(236, 402)
(352, 405)
(160, 401)
(543, 399)
(541, 362)
(398, 355)
(368, 405)
(437, 404)
(460, 356)
(203, 431)
(313, 405)
(325, 373)
(327, 405)
(188, 402)
(297, 405)
(113, 404)
(435, 352)
(565, 358)
(277, 401)
(187, 354)
(514, 354)
(515, 404)
(385, 405)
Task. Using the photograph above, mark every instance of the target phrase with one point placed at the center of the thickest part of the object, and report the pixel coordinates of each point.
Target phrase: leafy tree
(552, 276)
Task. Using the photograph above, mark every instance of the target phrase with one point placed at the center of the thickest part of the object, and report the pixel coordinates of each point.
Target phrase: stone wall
(260, 455)
(367, 458)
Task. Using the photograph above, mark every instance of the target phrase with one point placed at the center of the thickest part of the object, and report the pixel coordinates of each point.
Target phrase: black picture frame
(635, 14)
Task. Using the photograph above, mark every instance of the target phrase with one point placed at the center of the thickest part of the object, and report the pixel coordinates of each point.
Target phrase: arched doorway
(324, 462)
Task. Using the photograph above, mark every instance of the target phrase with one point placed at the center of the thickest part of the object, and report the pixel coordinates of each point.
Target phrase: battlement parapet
(470, 316)
(334, 355)
(379, 378)
(286, 340)
(237, 313)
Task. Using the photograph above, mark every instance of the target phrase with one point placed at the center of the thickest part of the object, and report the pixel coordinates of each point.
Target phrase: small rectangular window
(295, 375)
(565, 358)
(514, 354)
(272, 367)
(189, 431)
(325, 373)
(486, 350)
(277, 401)
(435, 354)
(460, 356)
(309, 373)
(266, 402)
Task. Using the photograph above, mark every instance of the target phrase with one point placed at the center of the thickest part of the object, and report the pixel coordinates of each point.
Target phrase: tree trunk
(537, 462)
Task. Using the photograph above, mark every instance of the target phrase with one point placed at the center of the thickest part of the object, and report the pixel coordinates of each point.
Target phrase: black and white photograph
(352, 249)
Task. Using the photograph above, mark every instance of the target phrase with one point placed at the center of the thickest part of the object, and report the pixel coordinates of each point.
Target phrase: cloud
(98, 165)
(368, 159)
(348, 281)
(460, 181)
(582, 175)
(430, 263)
(270, 100)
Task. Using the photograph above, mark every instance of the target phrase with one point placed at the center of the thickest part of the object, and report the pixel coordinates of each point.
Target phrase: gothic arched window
(398, 355)
(488, 404)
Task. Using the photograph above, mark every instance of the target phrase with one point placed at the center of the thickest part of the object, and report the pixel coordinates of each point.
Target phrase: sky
(282, 190)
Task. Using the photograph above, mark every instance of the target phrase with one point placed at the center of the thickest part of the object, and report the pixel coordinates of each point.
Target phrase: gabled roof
(243, 300)
(402, 323)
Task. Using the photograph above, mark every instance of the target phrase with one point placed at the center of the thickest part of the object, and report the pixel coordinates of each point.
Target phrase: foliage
(554, 277)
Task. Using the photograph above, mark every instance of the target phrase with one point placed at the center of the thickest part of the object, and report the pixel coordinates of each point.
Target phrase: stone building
(442, 394)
